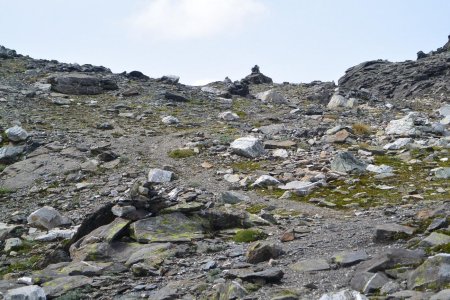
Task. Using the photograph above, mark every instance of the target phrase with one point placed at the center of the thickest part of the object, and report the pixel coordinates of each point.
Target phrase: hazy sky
(206, 40)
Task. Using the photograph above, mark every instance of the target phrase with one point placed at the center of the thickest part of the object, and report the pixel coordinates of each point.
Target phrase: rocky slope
(121, 186)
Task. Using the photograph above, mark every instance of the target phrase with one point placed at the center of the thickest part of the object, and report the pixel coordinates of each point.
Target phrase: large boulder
(344, 295)
(81, 84)
(249, 146)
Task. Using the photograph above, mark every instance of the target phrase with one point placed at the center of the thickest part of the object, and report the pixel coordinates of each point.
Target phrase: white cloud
(193, 19)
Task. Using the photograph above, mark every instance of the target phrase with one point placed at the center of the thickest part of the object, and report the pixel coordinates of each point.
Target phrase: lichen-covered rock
(433, 274)
(174, 227)
(62, 285)
(392, 231)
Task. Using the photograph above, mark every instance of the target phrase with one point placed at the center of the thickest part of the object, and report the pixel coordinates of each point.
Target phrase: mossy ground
(248, 235)
(367, 191)
(181, 153)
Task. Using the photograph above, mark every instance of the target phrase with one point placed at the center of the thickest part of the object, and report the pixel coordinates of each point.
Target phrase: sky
(206, 40)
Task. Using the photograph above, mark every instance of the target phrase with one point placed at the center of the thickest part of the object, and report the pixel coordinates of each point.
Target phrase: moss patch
(256, 208)
(181, 153)
(248, 235)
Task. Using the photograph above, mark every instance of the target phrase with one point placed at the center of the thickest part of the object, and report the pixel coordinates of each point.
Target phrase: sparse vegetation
(248, 235)
(361, 129)
(181, 153)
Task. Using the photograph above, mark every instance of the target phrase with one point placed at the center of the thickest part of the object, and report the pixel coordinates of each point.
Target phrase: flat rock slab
(392, 231)
(269, 275)
(435, 239)
(311, 265)
(279, 144)
(23, 173)
(175, 227)
(62, 285)
(349, 258)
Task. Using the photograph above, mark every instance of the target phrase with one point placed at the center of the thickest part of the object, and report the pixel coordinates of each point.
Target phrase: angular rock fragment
(47, 217)
(249, 146)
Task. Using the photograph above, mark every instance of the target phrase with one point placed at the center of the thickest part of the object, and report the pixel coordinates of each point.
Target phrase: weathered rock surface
(81, 84)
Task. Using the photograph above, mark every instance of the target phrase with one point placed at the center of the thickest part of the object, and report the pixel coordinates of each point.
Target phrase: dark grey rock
(368, 283)
(81, 84)
(262, 251)
(345, 162)
(392, 231)
(392, 258)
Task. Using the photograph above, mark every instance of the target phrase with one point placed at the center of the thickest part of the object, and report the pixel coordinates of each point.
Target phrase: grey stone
(62, 285)
(442, 295)
(262, 251)
(392, 258)
(344, 295)
(265, 181)
(398, 144)
(382, 169)
(271, 96)
(229, 290)
(228, 116)
(390, 288)
(337, 101)
(174, 97)
(368, 283)
(12, 244)
(437, 223)
(349, 258)
(159, 176)
(273, 129)
(300, 187)
(47, 217)
(32, 292)
(435, 239)
(345, 162)
(310, 265)
(442, 173)
(233, 197)
(10, 154)
(170, 120)
(407, 294)
(433, 274)
(404, 126)
(249, 146)
(16, 134)
(392, 231)
(268, 275)
(81, 84)
(174, 227)
(169, 79)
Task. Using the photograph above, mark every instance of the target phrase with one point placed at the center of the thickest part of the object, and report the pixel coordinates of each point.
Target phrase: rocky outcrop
(81, 84)
(382, 80)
